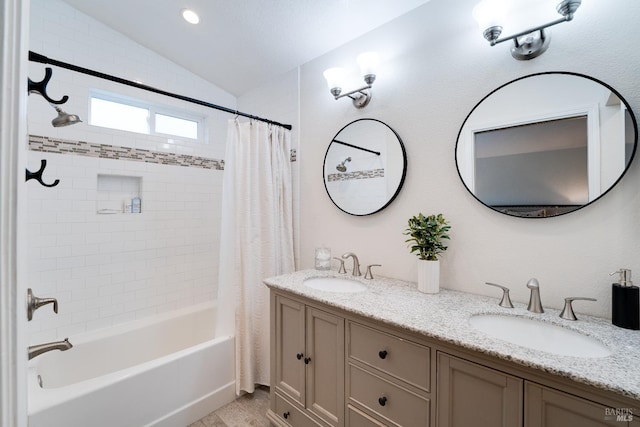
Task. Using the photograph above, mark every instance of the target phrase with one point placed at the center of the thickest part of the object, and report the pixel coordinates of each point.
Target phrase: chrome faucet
(356, 263)
(37, 350)
(535, 305)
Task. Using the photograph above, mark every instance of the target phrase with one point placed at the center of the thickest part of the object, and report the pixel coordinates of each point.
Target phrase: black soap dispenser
(625, 301)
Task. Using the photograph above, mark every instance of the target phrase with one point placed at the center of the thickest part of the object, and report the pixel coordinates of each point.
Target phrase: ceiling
(241, 44)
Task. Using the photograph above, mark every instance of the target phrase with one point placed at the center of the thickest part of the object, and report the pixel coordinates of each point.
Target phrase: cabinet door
(290, 348)
(552, 408)
(325, 367)
(469, 394)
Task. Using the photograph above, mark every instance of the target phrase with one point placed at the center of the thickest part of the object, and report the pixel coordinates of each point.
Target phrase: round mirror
(546, 144)
(364, 167)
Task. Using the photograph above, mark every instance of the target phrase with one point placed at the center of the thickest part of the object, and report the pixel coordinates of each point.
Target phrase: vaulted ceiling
(241, 44)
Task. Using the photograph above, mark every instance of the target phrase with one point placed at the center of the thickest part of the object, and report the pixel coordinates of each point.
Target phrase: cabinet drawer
(398, 357)
(290, 414)
(398, 405)
(360, 419)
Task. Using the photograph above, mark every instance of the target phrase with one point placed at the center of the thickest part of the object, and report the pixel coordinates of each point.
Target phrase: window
(123, 113)
(176, 126)
(115, 115)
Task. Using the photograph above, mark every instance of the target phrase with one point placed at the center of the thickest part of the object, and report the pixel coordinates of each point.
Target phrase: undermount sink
(539, 335)
(335, 284)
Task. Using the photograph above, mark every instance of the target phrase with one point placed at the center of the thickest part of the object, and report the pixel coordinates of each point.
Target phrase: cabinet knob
(299, 356)
(307, 360)
(286, 415)
(382, 401)
(382, 354)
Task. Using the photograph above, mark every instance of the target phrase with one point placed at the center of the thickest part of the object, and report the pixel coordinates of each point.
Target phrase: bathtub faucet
(37, 350)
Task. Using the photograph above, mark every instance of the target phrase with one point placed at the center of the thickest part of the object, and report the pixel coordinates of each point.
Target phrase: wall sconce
(368, 62)
(527, 44)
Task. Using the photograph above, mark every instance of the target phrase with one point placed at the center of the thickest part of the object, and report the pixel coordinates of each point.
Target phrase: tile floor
(247, 410)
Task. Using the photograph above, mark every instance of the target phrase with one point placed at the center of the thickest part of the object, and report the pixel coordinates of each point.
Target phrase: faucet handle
(567, 311)
(34, 303)
(368, 274)
(506, 300)
(341, 270)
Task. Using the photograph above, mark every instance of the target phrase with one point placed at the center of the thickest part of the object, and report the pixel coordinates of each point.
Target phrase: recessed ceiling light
(190, 16)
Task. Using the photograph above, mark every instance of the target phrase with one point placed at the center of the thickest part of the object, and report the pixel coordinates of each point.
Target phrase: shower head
(64, 119)
(341, 167)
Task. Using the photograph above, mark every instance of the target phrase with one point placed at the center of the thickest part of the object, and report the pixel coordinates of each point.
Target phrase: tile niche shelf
(115, 193)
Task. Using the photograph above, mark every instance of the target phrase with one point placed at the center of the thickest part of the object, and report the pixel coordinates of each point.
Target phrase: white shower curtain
(256, 240)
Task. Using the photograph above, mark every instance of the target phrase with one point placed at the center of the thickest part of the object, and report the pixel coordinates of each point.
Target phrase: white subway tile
(113, 268)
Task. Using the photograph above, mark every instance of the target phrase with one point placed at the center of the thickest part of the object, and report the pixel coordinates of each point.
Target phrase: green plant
(426, 235)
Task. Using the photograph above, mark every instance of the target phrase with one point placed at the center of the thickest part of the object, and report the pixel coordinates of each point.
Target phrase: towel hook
(41, 87)
(38, 175)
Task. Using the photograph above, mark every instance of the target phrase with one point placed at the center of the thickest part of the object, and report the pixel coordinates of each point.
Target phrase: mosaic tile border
(106, 151)
(366, 174)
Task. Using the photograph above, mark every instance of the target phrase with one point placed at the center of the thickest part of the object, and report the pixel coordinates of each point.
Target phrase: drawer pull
(286, 415)
(382, 400)
(382, 354)
(299, 356)
(307, 360)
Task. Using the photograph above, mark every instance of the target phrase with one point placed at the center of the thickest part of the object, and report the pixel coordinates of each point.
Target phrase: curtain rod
(36, 57)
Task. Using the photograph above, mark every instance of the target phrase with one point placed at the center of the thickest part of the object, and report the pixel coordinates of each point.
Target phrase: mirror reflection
(546, 144)
(364, 167)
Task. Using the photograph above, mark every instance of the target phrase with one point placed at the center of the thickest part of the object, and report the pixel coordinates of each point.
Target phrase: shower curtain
(256, 240)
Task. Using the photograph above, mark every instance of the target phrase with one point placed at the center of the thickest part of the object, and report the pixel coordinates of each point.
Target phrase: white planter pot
(429, 276)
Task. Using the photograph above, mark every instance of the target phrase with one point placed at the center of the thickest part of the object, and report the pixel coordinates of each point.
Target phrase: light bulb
(335, 77)
(490, 13)
(368, 62)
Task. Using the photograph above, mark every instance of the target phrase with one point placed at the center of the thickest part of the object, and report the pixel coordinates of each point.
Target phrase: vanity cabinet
(335, 368)
(309, 365)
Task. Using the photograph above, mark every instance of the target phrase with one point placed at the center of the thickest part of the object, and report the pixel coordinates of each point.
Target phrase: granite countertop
(445, 316)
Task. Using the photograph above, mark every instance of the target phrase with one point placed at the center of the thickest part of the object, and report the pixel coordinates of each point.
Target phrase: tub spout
(37, 350)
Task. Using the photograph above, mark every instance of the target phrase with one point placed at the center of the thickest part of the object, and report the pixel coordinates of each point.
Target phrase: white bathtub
(168, 371)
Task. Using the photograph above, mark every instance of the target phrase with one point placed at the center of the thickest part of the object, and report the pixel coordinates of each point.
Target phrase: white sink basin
(335, 284)
(539, 335)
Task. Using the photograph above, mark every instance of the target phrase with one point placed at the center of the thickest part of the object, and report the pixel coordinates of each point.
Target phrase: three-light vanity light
(528, 44)
(368, 62)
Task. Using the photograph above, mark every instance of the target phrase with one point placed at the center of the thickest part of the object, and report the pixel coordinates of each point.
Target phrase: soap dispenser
(625, 301)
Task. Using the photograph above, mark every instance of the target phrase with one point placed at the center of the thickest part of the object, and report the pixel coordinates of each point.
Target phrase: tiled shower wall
(111, 268)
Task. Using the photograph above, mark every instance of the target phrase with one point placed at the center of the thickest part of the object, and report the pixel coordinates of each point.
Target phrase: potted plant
(426, 235)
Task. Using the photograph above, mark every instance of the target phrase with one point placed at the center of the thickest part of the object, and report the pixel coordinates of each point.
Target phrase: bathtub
(168, 371)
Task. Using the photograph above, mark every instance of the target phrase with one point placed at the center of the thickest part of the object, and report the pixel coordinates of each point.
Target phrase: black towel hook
(38, 175)
(41, 87)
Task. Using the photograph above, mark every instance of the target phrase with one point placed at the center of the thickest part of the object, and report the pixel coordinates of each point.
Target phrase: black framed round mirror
(546, 144)
(364, 167)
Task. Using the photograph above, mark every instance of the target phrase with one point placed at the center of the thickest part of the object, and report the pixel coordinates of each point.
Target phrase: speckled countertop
(445, 316)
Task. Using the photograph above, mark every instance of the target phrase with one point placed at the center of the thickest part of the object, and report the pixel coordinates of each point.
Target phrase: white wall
(279, 101)
(435, 67)
(106, 269)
